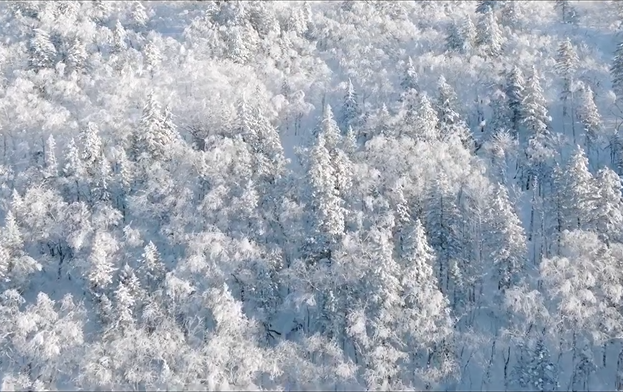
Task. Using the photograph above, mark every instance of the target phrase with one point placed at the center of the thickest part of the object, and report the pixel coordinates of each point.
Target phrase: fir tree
(568, 13)
(609, 205)
(616, 72)
(508, 239)
(350, 108)
(485, 6)
(327, 206)
(508, 15)
(51, 165)
(42, 51)
(514, 91)
(410, 78)
(566, 65)
(454, 38)
(589, 117)
(534, 107)
(488, 35)
(580, 193)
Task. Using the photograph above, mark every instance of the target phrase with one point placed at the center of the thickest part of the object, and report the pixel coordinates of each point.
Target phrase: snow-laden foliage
(298, 195)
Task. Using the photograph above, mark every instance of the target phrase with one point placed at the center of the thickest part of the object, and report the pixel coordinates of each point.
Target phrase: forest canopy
(292, 195)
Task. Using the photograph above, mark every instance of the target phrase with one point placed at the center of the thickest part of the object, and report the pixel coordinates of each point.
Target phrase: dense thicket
(219, 195)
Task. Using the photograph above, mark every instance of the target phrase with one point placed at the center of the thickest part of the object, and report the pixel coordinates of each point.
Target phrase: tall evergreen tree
(609, 205)
(566, 65)
(616, 72)
(508, 239)
(514, 90)
(327, 206)
(350, 108)
(43, 53)
(568, 13)
(454, 39)
(580, 193)
(410, 78)
(534, 107)
(488, 35)
(589, 117)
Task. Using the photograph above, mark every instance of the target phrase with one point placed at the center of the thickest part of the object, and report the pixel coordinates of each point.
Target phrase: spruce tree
(514, 91)
(609, 206)
(589, 117)
(616, 72)
(566, 65)
(488, 35)
(350, 108)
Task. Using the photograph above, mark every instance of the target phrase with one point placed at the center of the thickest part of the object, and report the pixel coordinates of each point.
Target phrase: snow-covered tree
(580, 192)
(101, 262)
(42, 51)
(508, 239)
(327, 206)
(350, 107)
(410, 78)
(589, 117)
(534, 106)
(566, 65)
(568, 13)
(51, 165)
(514, 90)
(488, 35)
(609, 205)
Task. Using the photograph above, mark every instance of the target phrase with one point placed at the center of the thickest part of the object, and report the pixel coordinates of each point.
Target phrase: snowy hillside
(289, 195)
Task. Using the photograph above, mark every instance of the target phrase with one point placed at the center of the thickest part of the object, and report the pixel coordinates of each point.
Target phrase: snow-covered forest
(290, 195)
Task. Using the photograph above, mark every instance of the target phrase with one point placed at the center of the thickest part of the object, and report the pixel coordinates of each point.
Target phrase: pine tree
(568, 13)
(425, 123)
(101, 265)
(102, 180)
(350, 108)
(151, 266)
(566, 64)
(589, 117)
(542, 372)
(410, 78)
(508, 240)
(454, 38)
(152, 57)
(51, 165)
(153, 139)
(508, 15)
(609, 205)
(349, 143)
(139, 15)
(327, 206)
(11, 235)
(485, 6)
(42, 51)
(584, 368)
(514, 91)
(488, 35)
(330, 129)
(124, 307)
(77, 56)
(580, 193)
(450, 123)
(500, 114)
(616, 72)
(536, 122)
(74, 170)
(119, 36)
(441, 216)
(92, 149)
(468, 34)
(534, 107)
